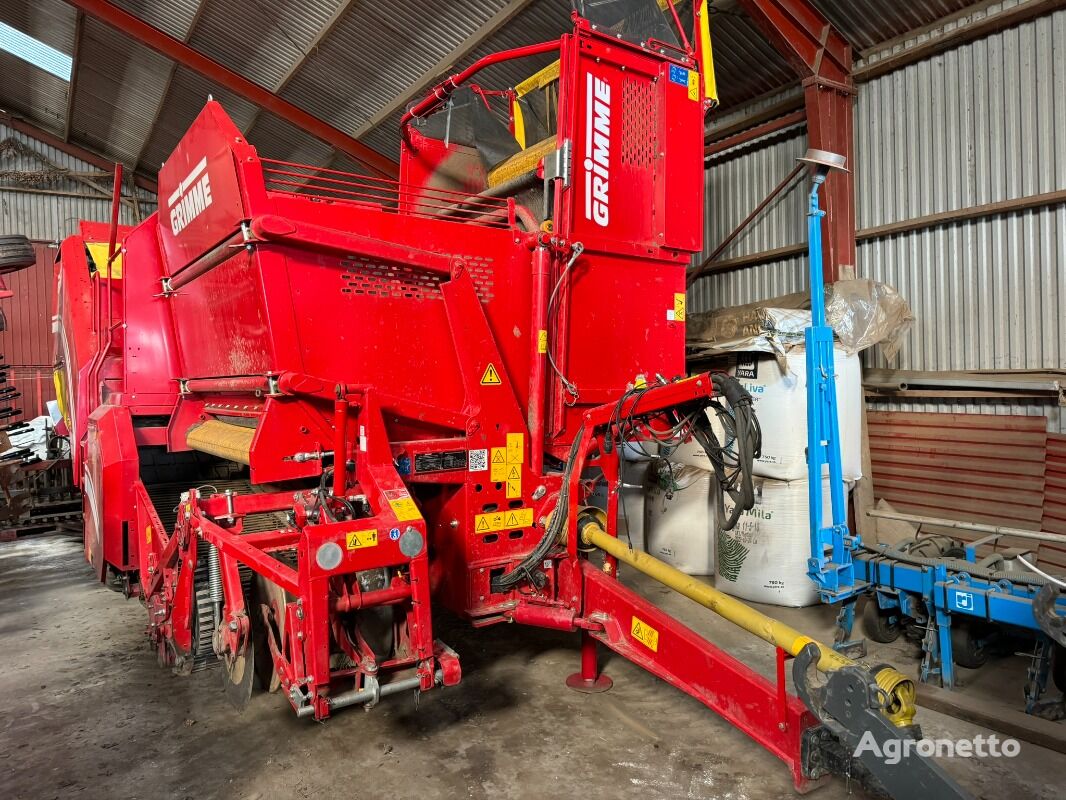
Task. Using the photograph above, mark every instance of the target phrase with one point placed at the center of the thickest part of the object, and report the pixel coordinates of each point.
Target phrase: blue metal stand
(830, 565)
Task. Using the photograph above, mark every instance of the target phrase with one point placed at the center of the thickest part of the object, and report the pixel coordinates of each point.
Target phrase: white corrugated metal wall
(981, 123)
(52, 217)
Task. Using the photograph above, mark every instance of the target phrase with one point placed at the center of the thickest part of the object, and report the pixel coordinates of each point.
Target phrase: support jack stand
(589, 680)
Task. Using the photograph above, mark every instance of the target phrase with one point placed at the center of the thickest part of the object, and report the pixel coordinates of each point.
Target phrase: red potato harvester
(306, 405)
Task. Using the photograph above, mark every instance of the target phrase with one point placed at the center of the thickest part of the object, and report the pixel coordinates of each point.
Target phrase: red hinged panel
(199, 196)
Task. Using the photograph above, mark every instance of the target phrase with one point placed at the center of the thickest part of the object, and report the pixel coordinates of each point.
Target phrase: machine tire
(1058, 668)
(879, 625)
(967, 649)
(16, 253)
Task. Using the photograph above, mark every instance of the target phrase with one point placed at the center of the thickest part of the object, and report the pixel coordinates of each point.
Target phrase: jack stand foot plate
(595, 686)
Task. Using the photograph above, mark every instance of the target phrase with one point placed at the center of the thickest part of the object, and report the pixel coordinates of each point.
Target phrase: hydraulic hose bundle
(732, 459)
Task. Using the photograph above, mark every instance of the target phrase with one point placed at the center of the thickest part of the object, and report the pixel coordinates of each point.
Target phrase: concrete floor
(88, 714)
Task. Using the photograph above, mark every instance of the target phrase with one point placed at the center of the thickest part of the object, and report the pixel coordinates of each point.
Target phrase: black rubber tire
(16, 252)
(967, 648)
(879, 625)
(1058, 668)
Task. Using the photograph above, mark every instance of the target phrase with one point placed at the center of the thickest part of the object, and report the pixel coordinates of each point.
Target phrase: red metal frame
(360, 326)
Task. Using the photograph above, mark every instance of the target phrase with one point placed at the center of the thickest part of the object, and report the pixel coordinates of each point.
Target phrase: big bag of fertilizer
(679, 517)
(764, 557)
(779, 399)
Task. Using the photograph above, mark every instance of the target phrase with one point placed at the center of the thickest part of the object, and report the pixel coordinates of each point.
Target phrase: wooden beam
(75, 63)
(969, 214)
(976, 29)
(430, 76)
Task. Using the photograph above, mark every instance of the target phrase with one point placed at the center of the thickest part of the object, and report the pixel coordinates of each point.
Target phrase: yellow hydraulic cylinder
(898, 688)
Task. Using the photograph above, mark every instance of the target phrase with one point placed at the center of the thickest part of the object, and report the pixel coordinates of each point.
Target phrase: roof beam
(430, 76)
(212, 70)
(72, 86)
(338, 14)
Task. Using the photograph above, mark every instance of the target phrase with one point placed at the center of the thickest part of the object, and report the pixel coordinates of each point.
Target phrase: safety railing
(386, 195)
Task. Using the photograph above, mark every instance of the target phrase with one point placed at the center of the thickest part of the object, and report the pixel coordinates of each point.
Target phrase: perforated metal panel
(365, 278)
(640, 129)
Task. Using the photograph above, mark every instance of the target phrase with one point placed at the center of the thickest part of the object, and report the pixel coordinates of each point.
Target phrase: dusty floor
(88, 714)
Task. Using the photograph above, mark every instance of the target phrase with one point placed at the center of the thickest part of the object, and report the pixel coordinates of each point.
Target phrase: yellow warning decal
(693, 85)
(405, 509)
(542, 342)
(679, 307)
(498, 465)
(491, 377)
(515, 448)
(514, 488)
(359, 539)
(148, 534)
(645, 634)
(503, 520)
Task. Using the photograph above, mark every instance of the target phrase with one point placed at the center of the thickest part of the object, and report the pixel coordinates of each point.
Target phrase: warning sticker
(677, 313)
(356, 540)
(514, 488)
(479, 460)
(503, 520)
(148, 534)
(693, 85)
(491, 377)
(645, 634)
(515, 448)
(405, 509)
(499, 464)
(542, 342)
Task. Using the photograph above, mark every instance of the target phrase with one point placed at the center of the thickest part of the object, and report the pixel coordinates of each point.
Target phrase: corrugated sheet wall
(46, 217)
(981, 123)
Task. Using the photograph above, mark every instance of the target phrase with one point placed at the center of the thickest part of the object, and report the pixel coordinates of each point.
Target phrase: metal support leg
(843, 643)
(589, 680)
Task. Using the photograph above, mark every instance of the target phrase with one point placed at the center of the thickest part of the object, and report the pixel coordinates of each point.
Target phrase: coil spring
(214, 574)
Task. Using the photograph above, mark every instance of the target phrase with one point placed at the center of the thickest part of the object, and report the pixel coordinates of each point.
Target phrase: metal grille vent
(369, 279)
(481, 274)
(640, 113)
(365, 278)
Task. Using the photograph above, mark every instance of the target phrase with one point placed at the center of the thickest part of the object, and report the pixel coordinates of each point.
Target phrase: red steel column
(823, 60)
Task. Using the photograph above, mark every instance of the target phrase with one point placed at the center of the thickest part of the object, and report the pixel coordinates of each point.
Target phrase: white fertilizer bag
(679, 517)
(780, 402)
(764, 557)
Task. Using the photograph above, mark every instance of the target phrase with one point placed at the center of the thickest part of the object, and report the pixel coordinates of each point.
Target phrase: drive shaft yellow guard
(900, 708)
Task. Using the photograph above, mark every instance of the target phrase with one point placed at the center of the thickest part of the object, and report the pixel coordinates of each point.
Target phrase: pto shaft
(899, 689)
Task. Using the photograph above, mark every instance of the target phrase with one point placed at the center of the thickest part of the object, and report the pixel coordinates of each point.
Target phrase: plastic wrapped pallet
(679, 517)
(764, 557)
(780, 402)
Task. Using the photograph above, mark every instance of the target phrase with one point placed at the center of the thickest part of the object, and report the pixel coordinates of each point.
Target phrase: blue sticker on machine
(679, 75)
(394, 534)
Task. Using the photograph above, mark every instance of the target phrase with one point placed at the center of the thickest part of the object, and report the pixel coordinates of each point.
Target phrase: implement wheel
(881, 626)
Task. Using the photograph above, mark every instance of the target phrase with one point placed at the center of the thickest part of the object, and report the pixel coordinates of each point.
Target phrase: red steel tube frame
(443, 90)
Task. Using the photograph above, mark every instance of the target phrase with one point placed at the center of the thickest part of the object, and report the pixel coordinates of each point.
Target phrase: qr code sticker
(479, 460)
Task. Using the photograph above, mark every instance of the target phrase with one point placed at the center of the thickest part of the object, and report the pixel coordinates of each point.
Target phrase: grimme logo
(597, 149)
(191, 197)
